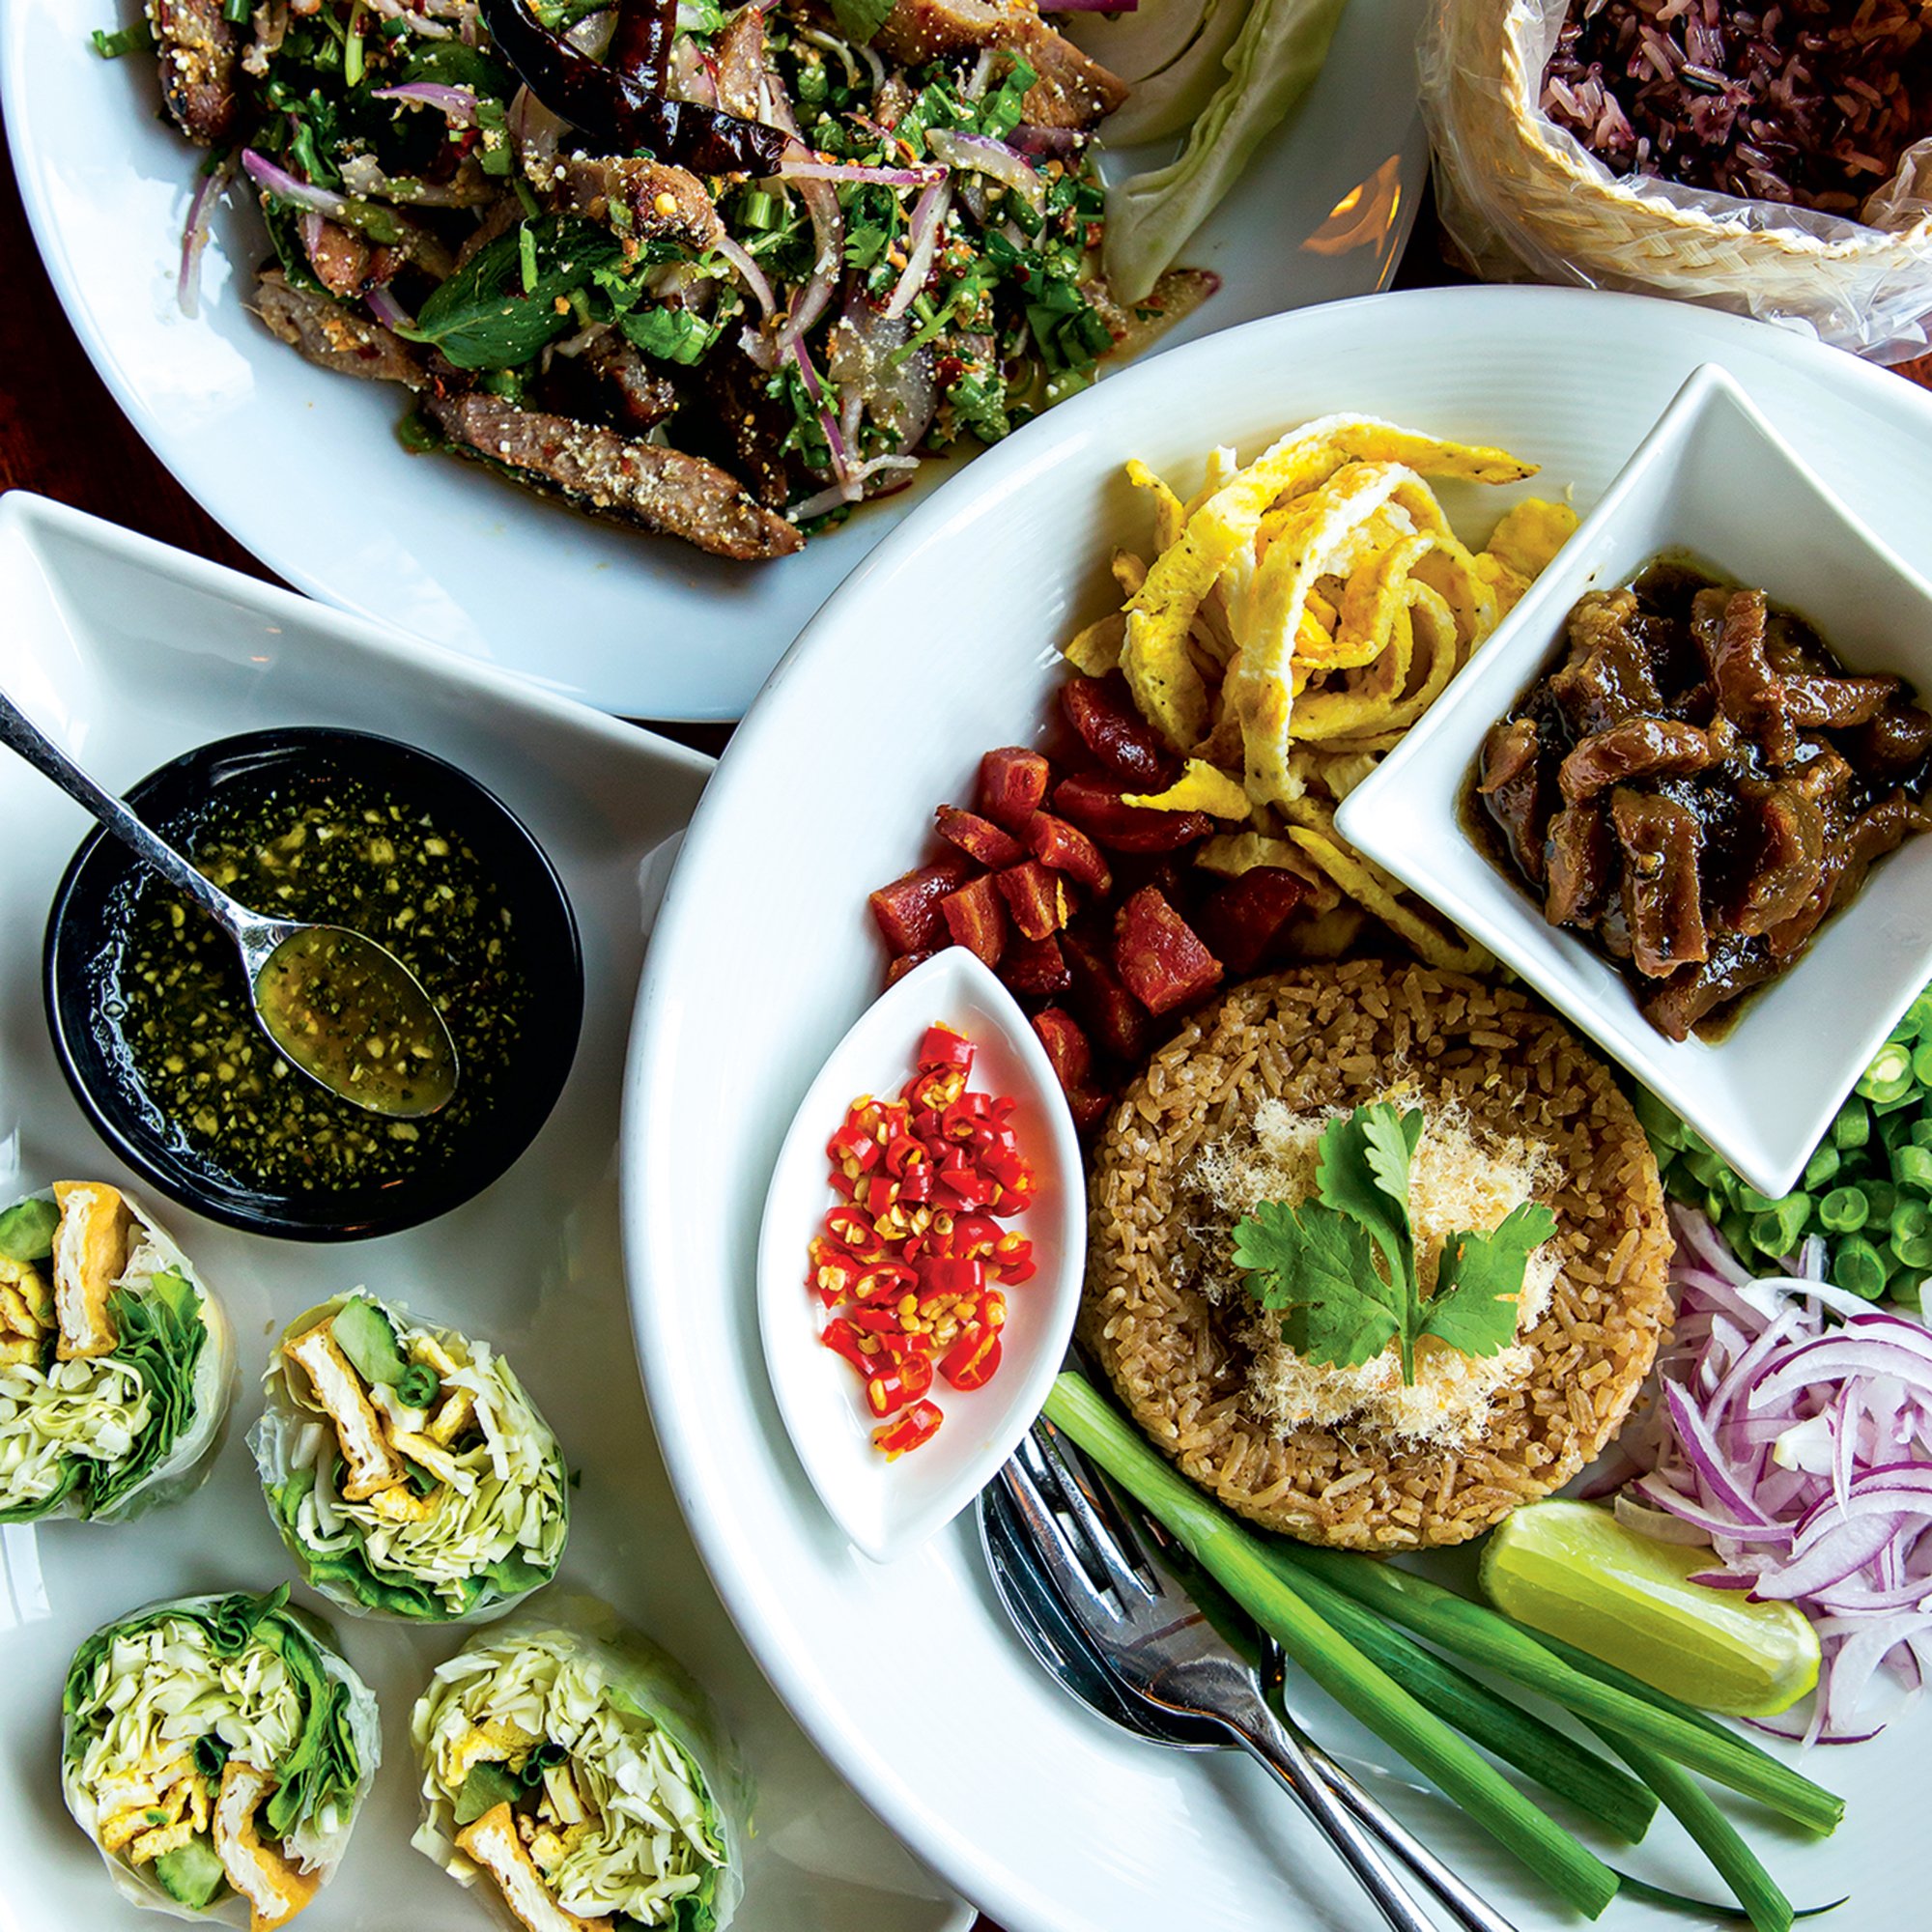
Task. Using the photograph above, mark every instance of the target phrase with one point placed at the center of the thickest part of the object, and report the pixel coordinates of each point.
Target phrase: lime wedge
(1575, 1572)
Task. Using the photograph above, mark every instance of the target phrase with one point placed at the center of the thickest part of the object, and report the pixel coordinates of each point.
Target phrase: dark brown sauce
(1695, 786)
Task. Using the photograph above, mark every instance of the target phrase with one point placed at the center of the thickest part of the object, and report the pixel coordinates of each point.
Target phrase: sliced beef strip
(1607, 678)
(1579, 861)
(1837, 704)
(643, 397)
(1639, 748)
(1512, 792)
(1070, 91)
(1893, 742)
(1728, 626)
(745, 426)
(1663, 895)
(1789, 862)
(199, 52)
(662, 203)
(1693, 992)
(739, 53)
(333, 336)
(616, 476)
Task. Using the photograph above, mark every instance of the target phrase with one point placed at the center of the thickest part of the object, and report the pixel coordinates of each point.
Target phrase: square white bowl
(1715, 483)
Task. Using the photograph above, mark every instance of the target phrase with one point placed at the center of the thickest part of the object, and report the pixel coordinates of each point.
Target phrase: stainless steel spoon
(1059, 1645)
(337, 1006)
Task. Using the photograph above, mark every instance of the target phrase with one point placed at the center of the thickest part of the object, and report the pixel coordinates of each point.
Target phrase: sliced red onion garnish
(898, 468)
(985, 155)
(791, 169)
(386, 309)
(749, 271)
(284, 186)
(929, 223)
(459, 103)
(1803, 1455)
(1047, 142)
(194, 236)
(828, 229)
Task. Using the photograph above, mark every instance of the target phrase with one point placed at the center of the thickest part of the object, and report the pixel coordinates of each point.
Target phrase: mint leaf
(1320, 1267)
(1474, 1307)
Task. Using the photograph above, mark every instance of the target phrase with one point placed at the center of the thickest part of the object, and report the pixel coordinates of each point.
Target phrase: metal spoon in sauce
(337, 1006)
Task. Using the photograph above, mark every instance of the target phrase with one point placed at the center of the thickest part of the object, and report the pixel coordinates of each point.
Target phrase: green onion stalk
(1239, 1564)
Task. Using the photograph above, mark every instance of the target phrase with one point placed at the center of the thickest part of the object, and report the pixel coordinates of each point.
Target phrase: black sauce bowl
(83, 941)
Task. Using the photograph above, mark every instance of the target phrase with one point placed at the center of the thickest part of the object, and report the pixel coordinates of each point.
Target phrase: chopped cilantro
(1340, 1268)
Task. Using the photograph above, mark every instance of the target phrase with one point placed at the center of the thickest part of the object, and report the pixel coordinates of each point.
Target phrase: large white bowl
(941, 645)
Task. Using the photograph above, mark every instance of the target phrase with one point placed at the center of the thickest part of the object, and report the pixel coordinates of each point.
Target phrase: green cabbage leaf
(1273, 61)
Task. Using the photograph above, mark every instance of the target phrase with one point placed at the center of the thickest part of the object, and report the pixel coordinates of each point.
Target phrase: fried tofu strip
(493, 1843)
(373, 1464)
(90, 1255)
(26, 1311)
(275, 1890)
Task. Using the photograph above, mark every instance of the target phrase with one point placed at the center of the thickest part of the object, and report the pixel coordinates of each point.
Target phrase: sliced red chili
(893, 1384)
(920, 1424)
(855, 1234)
(952, 1274)
(943, 1047)
(972, 1360)
(853, 1143)
(832, 1272)
(1013, 1259)
(883, 1282)
(842, 1339)
(916, 1184)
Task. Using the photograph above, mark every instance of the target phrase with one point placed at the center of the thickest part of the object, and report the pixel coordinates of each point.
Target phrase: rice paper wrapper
(316, 1846)
(1523, 199)
(211, 1390)
(616, 1671)
(368, 1579)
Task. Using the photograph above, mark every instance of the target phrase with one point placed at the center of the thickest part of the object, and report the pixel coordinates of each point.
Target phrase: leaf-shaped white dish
(889, 1507)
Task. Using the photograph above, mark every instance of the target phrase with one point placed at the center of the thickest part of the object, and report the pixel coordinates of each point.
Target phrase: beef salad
(716, 275)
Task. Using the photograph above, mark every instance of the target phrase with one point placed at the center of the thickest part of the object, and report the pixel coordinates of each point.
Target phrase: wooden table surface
(64, 436)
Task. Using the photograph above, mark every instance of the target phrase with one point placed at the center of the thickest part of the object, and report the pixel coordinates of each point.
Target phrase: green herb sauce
(327, 848)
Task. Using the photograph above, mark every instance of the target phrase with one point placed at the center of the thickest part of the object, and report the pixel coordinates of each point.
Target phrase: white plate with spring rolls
(130, 653)
(305, 470)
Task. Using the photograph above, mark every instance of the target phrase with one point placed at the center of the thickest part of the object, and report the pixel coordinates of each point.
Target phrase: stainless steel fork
(1164, 1648)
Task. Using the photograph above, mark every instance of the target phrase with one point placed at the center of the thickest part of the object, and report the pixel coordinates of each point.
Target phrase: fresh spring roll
(115, 1364)
(216, 1750)
(408, 1472)
(573, 1769)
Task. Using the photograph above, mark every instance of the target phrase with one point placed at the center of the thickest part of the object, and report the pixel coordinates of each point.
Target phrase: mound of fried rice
(1328, 1037)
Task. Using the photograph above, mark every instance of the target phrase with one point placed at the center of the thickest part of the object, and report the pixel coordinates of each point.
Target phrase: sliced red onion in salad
(985, 155)
(459, 103)
(386, 309)
(1802, 1453)
(752, 277)
(802, 170)
(828, 229)
(284, 186)
(194, 236)
(922, 233)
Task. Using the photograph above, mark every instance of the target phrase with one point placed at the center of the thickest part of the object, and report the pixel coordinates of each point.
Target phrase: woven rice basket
(1521, 197)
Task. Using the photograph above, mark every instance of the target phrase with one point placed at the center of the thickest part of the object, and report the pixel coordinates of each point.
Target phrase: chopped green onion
(1921, 1065)
(1858, 1268)
(236, 12)
(1843, 1210)
(1823, 1166)
(1890, 1074)
(140, 39)
(1779, 1229)
(1852, 1126)
(1658, 1120)
(1235, 1560)
(1912, 1166)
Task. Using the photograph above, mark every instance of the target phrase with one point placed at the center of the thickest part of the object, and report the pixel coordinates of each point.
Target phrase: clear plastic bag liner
(1523, 199)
